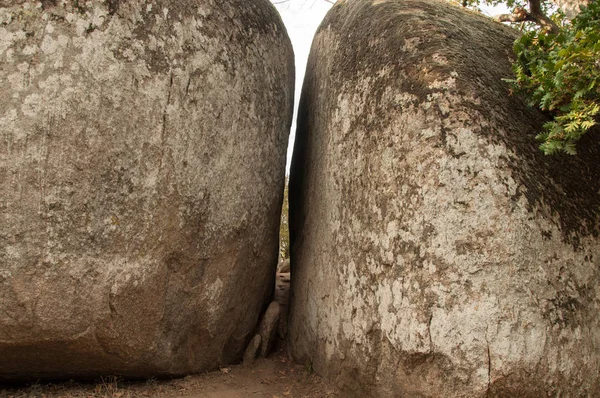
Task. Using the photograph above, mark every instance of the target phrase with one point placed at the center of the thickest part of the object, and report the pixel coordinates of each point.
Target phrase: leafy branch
(560, 72)
(535, 15)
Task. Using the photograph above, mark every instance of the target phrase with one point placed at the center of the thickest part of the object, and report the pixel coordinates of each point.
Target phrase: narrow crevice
(429, 332)
(489, 364)
(272, 329)
(163, 133)
(283, 271)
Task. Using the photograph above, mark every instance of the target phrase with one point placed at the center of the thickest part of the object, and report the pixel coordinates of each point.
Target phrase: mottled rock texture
(435, 251)
(142, 155)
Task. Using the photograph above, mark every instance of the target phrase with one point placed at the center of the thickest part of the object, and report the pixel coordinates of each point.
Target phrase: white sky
(301, 19)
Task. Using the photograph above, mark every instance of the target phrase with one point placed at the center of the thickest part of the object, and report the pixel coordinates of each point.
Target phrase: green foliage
(284, 229)
(560, 73)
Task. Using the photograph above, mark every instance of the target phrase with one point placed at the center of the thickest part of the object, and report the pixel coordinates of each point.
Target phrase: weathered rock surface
(268, 328)
(436, 252)
(282, 296)
(251, 351)
(142, 156)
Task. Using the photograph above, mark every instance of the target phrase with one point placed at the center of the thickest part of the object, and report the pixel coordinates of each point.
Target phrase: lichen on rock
(142, 158)
(436, 251)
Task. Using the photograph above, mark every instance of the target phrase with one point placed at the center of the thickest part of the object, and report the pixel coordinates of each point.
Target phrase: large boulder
(142, 158)
(436, 252)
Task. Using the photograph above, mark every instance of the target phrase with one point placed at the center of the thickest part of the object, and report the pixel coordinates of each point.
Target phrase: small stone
(282, 296)
(252, 350)
(268, 327)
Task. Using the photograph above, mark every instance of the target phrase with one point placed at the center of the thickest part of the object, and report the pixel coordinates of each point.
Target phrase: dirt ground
(272, 377)
(269, 377)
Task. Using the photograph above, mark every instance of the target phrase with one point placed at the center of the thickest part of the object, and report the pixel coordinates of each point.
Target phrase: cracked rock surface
(142, 158)
(436, 251)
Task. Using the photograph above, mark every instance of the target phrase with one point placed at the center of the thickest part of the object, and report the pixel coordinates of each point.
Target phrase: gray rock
(142, 158)
(437, 252)
(252, 350)
(268, 328)
(282, 296)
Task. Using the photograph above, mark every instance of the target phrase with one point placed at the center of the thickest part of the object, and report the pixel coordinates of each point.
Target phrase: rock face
(142, 157)
(436, 252)
(251, 351)
(268, 328)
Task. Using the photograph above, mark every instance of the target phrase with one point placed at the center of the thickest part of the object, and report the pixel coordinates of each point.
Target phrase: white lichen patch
(31, 105)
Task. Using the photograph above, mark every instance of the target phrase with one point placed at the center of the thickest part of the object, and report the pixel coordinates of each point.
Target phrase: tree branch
(534, 14)
(535, 7)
